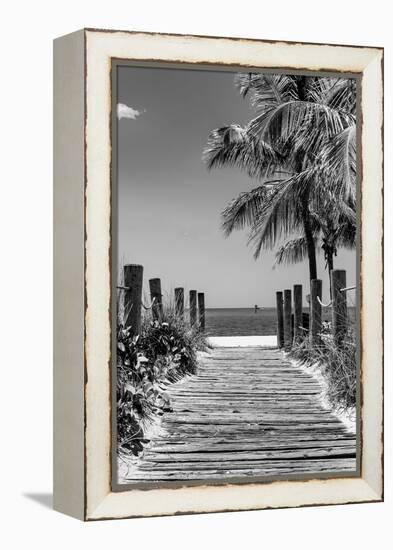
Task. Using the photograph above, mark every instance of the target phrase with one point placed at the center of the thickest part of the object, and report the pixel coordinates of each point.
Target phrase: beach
(242, 341)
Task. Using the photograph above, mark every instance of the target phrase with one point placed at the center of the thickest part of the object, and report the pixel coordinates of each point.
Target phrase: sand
(346, 416)
(243, 341)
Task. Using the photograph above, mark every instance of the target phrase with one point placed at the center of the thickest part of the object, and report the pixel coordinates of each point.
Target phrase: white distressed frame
(100, 47)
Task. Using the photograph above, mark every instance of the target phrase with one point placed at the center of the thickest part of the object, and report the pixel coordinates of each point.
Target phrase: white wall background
(25, 305)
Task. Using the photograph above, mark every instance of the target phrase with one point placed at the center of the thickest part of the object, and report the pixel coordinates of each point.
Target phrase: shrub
(164, 352)
(174, 338)
(337, 363)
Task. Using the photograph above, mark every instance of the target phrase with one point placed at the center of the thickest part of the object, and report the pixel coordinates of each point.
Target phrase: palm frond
(266, 88)
(346, 237)
(335, 219)
(243, 210)
(303, 123)
(338, 93)
(338, 163)
(233, 146)
(280, 214)
(292, 252)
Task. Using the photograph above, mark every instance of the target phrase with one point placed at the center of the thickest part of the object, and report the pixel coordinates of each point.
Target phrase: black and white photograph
(196, 313)
(235, 262)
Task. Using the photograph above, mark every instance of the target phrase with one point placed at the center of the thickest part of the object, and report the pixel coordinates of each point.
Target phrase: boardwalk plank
(247, 412)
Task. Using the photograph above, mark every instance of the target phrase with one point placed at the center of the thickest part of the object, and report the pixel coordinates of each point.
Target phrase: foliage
(333, 226)
(292, 251)
(337, 363)
(301, 147)
(164, 352)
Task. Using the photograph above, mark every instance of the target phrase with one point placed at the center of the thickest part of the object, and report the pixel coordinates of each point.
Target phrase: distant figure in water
(256, 308)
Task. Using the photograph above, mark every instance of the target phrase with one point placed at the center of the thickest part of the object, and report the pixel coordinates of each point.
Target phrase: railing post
(133, 281)
(156, 295)
(280, 320)
(315, 312)
(298, 312)
(201, 310)
(339, 305)
(193, 307)
(179, 302)
(287, 319)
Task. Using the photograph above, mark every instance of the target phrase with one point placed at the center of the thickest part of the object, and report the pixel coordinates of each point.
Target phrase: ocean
(245, 322)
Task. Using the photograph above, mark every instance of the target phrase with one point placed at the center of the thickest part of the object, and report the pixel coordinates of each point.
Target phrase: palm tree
(300, 148)
(333, 227)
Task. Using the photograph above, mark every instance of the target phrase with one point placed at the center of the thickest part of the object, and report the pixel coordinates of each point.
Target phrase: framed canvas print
(218, 274)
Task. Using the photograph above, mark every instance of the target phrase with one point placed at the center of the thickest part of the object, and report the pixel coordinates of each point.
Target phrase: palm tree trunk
(301, 82)
(330, 265)
(312, 260)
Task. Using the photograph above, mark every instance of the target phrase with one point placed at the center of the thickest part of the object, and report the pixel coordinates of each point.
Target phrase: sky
(169, 204)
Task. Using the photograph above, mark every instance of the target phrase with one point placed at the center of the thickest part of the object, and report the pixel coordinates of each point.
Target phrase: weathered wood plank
(272, 469)
(238, 446)
(247, 412)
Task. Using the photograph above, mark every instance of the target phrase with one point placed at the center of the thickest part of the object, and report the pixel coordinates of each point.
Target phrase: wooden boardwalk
(247, 412)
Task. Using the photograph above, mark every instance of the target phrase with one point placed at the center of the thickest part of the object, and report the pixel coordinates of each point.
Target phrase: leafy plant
(163, 352)
(338, 365)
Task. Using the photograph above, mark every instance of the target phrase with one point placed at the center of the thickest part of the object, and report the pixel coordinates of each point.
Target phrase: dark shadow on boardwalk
(248, 412)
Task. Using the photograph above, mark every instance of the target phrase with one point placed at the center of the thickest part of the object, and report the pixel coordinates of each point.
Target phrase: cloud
(123, 111)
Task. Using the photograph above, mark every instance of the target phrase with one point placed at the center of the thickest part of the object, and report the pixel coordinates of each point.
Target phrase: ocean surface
(245, 322)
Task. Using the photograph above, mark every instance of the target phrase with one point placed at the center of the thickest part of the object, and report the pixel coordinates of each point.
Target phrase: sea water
(248, 322)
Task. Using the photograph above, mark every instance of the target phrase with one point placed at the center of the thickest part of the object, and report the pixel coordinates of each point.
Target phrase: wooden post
(156, 295)
(193, 307)
(280, 320)
(287, 319)
(133, 281)
(179, 302)
(339, 305)
(298, 312)
(201, 310)
(315, 312)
